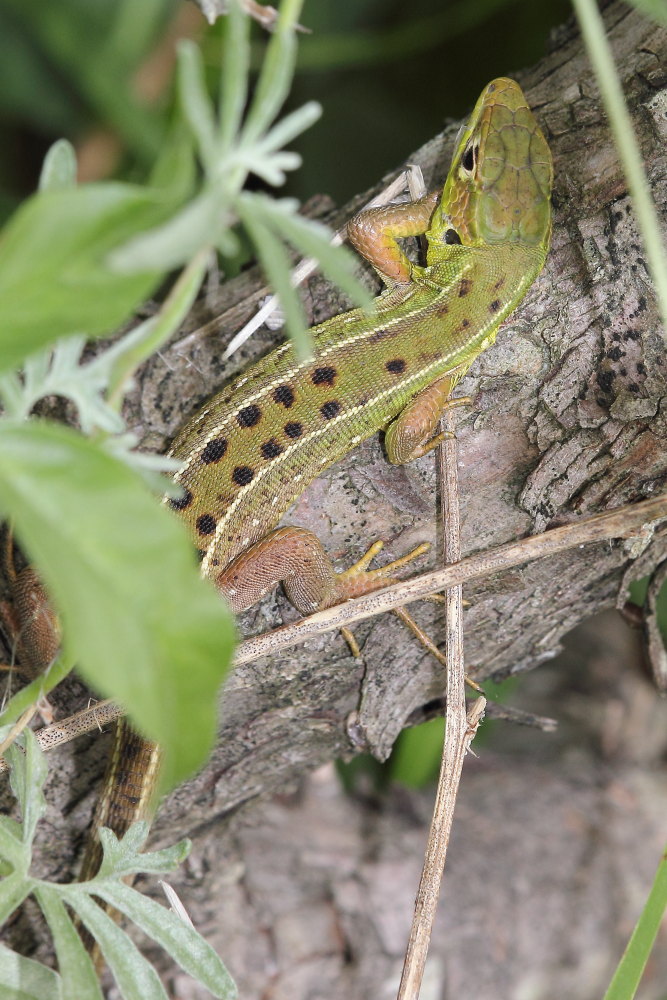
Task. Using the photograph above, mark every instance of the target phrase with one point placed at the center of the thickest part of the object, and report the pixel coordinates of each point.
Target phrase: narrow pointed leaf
(13, 890)
(185, 945)
(77, 972)
(275, 262)
(59, 167)
(234, 73)
(195, 102)
(136, 978)
(27, 777)
(277, 71)
(313, 240)
(24, 979)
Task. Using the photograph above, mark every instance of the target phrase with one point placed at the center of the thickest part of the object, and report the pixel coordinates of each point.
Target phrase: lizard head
(498, 189)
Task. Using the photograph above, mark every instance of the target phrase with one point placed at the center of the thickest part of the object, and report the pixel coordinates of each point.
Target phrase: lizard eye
(469, 158)
(452, 237)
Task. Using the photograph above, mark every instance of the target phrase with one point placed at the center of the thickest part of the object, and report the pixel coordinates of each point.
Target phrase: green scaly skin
(255, 447)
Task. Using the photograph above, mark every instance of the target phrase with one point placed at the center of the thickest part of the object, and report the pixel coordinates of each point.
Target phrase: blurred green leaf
(59, 168)
(54, 277)
(177, 240)
(149, 336)
(277, 266)
(276, 73)
(234, 73)
(655, 9)
(196, 104)
(84, 46)
(631, 967)
(313, 240)
(611, 91)
(638, 590)
(134, 28)
(415, 759)
(175, 169)
(361, 47)
(144, 628)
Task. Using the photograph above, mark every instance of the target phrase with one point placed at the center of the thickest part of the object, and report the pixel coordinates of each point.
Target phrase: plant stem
(599, 53)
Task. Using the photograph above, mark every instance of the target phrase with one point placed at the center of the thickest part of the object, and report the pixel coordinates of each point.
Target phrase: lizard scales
(255, 447)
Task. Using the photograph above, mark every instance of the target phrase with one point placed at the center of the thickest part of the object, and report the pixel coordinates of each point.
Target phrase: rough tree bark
(568, 419)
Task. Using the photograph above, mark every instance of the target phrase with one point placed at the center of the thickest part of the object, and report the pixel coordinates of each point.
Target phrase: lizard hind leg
(295, 557)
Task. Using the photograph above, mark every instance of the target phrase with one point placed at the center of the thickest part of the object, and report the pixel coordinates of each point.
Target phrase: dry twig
(459, 731)
(623, 522)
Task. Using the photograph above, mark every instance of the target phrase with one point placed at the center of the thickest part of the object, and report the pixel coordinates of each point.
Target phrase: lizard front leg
(373, 233)
(412, 433)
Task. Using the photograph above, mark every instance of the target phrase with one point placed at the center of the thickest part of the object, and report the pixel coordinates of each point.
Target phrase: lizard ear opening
(452, 237)
(469, 158)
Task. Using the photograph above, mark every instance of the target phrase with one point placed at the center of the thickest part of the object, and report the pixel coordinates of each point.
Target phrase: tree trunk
(567, 419)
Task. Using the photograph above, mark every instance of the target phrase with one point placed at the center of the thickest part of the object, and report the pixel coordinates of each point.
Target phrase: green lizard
(255, 447)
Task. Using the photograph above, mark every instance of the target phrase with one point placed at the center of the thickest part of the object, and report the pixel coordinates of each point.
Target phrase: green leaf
(54, 276)
(136, 978)
(122, 856)
(415, 759)
(12, 848)
(185, 945)
(276, 74)
(59, 167)
(143, 627)
(313, 240)
(655, 9)
(135, 29)
(175, 169)
(195, 102)
(77, 971)
(268, 222)
(175, 242)
(127, 354)
(24, 979)
(234, 73)
(292, 125)
(13, 890)
(648, 220)
(276, 265)
(631, 967)
(27, 776)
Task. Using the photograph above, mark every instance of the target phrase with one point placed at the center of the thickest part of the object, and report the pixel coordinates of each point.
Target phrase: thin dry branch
(624, 522)
(458, 730)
